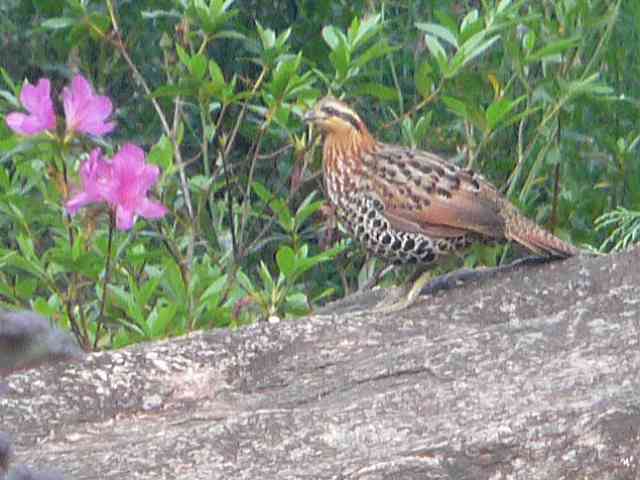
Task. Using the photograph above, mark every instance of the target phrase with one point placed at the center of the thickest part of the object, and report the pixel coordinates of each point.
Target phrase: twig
(415, 109)
(225, 153)
(247, 197)
(274, 154)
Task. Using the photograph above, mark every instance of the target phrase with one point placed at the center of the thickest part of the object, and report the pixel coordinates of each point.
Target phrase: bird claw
(406, 298)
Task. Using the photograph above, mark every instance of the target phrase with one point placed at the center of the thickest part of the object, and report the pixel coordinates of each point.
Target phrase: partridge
(411, 206)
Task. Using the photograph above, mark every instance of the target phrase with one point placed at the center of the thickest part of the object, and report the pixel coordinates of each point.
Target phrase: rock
(532, 374)
(5, 453)
(24, 473)
(27, 340)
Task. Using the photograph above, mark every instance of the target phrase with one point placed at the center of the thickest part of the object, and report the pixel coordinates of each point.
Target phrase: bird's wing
(421, 192)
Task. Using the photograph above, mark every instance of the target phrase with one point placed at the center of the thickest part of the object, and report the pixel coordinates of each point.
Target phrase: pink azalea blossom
(96, 180)
(131, 180)
(85, 111)
(37, 101)
(123, 184)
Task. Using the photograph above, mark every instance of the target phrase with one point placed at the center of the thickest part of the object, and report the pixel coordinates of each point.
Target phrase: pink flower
(123, 184)
(131, 180)
(96, 180)
(85, 111)
(37, 101)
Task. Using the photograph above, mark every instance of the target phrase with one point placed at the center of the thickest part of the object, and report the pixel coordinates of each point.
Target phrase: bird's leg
(375, 278)
(408, 295)
(422, 283)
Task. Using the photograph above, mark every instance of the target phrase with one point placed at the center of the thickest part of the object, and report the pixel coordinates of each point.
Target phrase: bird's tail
(529, 234)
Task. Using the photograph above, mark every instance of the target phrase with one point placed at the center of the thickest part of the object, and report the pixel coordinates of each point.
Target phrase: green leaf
(78, 248)
(469, 20)
(529, 40)
(282, 39)
(278, 206)
(212, 17)
(499, 109)
(172, 281)
(265, 195)
(377, 50)
(437, 52)
(588, 86)
(456, 106)
(58, 23)
(183, 89)
(333, 36)
(215, 288)
(307, 208)
(147, 290)
(160, 319)
(340, 59)
(296, 304)
(553, 48)
(98, 25)
(473, 47)
(215, 73)
(161, 154)
(267, 279)
(11, 84)
(503, 5)
(376, 90)
(44, 308)
(183, 55)
(439, 31)
(286, 260)
(267, 36)
(424, 82)
(197, 66)
(283, 75)
(26, 287)
(361, 31)
(245, 282)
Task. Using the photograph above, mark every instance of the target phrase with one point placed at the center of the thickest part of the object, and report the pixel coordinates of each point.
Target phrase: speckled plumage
(411, 206)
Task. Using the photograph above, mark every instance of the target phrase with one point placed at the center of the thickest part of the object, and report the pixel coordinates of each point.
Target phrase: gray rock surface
(533, 374)
(28, 340)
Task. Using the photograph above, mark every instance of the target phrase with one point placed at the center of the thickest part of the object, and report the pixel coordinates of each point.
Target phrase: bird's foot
(406, 298)
(428, 286)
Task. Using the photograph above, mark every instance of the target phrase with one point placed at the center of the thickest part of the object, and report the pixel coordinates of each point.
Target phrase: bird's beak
(309, 117)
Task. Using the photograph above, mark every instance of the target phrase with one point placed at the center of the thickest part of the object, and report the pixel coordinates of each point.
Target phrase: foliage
(540, 95)
(626, 228)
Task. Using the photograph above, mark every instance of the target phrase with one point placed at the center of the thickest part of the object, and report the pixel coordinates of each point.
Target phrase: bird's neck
(343, 163)
(343, 149)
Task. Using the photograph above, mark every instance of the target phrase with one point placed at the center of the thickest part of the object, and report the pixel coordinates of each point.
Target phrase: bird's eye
(344, 116)
(331, 111)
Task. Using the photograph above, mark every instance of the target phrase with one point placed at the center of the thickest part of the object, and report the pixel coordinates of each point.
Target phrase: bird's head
(332, 116)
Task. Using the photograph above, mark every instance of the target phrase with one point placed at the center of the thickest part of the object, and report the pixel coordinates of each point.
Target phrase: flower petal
(151, 210)
(85, 111)
(37, 100)
(124, 218)
(16, 121)
(149, 176)
(97, 182)
(78, 201)
(93, 118)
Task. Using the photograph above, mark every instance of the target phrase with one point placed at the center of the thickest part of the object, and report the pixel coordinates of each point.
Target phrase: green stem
(106, 278)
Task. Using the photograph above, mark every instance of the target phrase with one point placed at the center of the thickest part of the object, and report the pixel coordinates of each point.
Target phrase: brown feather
(457, 202)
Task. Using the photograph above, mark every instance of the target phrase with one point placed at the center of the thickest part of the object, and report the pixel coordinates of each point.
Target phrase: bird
(410, 206)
